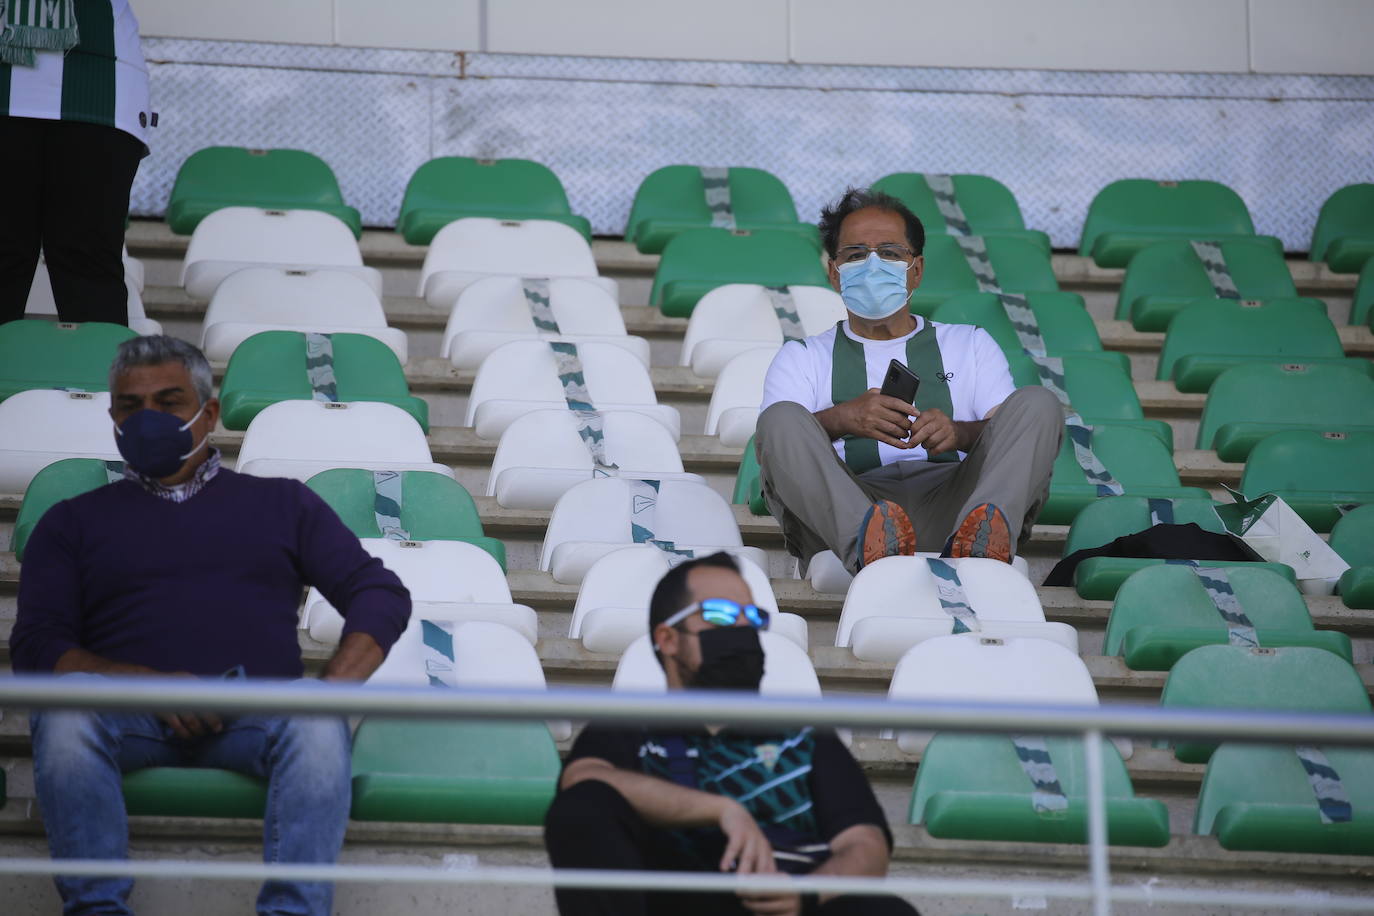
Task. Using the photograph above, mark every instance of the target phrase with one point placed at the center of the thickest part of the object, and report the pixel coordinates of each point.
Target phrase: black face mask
(731, 659)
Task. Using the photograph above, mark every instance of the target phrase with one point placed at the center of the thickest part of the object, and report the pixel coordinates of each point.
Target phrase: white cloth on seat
(43, 425)
(740, 316)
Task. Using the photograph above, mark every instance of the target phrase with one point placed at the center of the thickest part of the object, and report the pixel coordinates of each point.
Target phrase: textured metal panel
(1284, 143)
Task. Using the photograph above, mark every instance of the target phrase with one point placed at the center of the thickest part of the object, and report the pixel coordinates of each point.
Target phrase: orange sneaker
(982, 533)
(886, 532)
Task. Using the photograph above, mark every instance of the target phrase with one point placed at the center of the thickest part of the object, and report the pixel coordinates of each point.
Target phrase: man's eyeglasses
(852, 254)
(722, 612)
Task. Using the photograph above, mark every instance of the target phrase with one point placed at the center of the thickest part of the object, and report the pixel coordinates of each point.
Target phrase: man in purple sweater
(186, 569)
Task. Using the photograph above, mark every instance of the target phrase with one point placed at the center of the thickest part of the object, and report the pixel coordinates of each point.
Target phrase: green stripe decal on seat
(942, 189)
(786, 310)
(114, 471)
(386, 504)
(1239, 630)
(1218, 274)
(438, 654)
(590, 423)
(536, 290)
(1047, 796)
(976, 255)
(715, 182)
(644, 517)
(1333, 802)
(319, 367)
(1161, 511)
(950, 590)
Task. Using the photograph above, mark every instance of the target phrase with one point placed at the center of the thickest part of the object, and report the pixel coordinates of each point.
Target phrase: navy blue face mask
(156, 443)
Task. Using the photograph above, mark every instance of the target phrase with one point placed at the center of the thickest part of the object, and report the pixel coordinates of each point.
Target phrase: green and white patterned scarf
(30, 25)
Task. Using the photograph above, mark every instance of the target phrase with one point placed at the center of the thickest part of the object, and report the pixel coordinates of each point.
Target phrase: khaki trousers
(821, 503)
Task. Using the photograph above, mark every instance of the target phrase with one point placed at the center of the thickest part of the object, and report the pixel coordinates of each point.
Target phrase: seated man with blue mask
(964, 471)
(712, 798)
(185, 568)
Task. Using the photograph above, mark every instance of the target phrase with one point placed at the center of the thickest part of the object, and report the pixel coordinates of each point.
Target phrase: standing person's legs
(89, 171)
(305, 760)
(78, 760)
(22, 150)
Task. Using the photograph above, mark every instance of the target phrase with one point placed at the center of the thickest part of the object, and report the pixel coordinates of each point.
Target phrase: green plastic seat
(1165, 277)
(988, 205)
(696, 261)
(1100, 389)
(1249, 402)
(1106, 519)
(749, 482)
(45, 354)
(274, 179)
(453, 772)
(1294, 678)
(673, 199)
(1259, 797)
(972, 787)
(1163, 612)
(1209, 337)
(1313, 472)
(1353, 538)
(1065, 324)
(1344, 234)
(453, 187)
(433, 507)
(1129, 214)
(1135, 457)
(193, 792)
(1021, 266)
(271, 366)
(56, 482)
(1362, 304)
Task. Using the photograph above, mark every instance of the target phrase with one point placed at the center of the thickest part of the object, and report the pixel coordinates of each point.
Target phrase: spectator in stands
(186, 569)
(866, 475)
(710, 798)
(74, 129)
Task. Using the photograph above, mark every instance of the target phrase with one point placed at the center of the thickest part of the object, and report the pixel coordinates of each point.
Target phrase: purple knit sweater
(198, 586)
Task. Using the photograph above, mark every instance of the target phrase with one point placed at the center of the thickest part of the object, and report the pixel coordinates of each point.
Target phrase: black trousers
(591, 825)
(66, 194)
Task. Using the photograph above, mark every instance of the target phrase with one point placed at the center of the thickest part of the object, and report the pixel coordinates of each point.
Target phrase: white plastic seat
(522, 376)
(447, 580)
(493, 311)
(829, 577)
(612, 607)
(734, 409)
(787, 669)
(739, 316)
(594, 518)
(41, 302)
(299, 439)
(258, 299)
(541, 456)
(894, 604)
(40, 426)
(233, 238)
(976, 667)
(466, 250)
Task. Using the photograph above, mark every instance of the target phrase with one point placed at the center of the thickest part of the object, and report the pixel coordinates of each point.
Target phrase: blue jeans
(79, 756)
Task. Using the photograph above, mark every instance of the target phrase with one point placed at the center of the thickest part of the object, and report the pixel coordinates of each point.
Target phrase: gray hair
(158, 349)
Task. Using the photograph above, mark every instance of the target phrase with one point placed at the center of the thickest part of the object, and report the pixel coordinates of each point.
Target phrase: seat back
(484, 654)
(906, 587)
(461, 186)
(247, 234)
(987, 203)
(1104, 520)
(1097, 388)
(745, 312)
(787, 669)
(550, 439)
(1353, 536)
(351, 434)
(45, 354)
(1164, 209)
(1286, 331)
(1063, 319)
(526, 370)
(281, 179)
(514, 248)
(58, 481)
(40, 426)
(307, 299)
(1021, 267)
(673, 198)
(1314, 472)
(499, 304)
(433, 507)
(699, 260)
(1316, 396)
(1172, 269)
(969, 667)
(442, 571)
(740, 386)
(602, 510)
(1362, 305)
(1348, 211)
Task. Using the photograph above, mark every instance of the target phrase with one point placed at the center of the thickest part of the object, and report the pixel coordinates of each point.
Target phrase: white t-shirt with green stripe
(974, 367)
(103, 80)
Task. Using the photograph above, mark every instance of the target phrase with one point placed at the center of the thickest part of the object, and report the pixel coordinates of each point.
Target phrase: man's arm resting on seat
(666, 804)
(357, 657)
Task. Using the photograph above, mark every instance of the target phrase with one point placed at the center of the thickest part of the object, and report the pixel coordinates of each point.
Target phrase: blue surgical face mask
(156, 443)
(874, 288)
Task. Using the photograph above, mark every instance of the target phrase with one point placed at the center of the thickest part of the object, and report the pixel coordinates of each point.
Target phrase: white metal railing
(691, 708)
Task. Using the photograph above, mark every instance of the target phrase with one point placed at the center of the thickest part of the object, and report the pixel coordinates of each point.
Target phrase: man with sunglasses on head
(963, 471)
(712, 798)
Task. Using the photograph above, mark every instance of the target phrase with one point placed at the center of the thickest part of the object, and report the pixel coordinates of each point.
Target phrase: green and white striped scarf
(43, 25)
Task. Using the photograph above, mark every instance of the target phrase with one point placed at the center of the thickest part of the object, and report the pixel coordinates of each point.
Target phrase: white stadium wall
(1168, 36)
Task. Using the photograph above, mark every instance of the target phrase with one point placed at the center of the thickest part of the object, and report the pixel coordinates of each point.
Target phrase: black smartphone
(900, 383)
